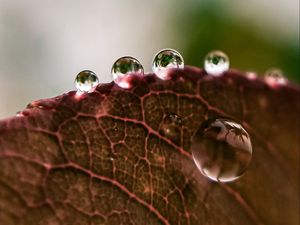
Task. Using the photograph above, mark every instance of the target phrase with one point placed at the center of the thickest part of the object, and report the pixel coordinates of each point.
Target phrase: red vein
(242, 202)
(119, 185)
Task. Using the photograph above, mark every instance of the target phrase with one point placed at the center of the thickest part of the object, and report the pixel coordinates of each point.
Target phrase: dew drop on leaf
(171, 125)
(46, 105)
(251, 75)
(221, 149)
(166, 59)
(274, 77)
(123, 68)
(42, 104)
(22, 113)
(86, 81)
(19, 114)
(216, 63)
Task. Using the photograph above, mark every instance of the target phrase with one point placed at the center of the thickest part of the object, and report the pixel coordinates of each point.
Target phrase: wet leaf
(107, 157)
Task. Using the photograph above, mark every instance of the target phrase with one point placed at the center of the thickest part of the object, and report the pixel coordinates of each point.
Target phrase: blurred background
(44, 44)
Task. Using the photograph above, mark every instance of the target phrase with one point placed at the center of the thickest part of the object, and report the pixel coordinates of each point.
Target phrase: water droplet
(216, 63)
(42, 104)
(171, 125)
(222, 150)
(123, 68)
(251, 75)
(22, 113)
(19, 114)
(274, 77)
(166, 59)
(46, 105)
(86, 81)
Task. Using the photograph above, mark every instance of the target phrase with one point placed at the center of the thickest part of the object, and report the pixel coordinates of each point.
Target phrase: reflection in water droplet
(274, 77)
(216, 63)
(123, 68)
(86, 81)
(166, 59)
(172, 125)
(222, 150)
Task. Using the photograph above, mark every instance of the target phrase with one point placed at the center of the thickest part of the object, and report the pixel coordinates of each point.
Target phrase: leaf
(103, 158)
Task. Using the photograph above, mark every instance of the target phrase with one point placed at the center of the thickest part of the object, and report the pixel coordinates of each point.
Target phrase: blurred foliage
(206, 27)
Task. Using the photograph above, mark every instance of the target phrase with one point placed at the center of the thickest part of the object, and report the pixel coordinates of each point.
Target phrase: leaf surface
(106, 158)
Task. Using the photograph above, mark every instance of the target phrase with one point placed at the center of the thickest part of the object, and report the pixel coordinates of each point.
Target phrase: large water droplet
(274, 77)
(86, 81)
(172, 125)
(123, 68)
(166, 59)
(222, 150)
(216, 63)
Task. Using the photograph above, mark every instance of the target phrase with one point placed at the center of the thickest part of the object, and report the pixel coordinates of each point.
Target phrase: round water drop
(222, 150)
(22, 113)
(86, 81)
(123, 68)
(166, 59)
(19, 114)
(42, 104)
(251, 75)
(274, 77)
(216, 63)
(171, 125)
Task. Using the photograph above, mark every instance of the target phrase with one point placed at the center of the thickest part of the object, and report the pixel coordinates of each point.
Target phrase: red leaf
(104, 158)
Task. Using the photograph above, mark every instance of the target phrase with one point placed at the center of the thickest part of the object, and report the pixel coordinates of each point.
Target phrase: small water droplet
(22, 113)
(42, 104)
(46, 105)
(123, 68)
(216, 63)
(86, 81)
(274, 77)
(171, 125)
(19, 114)
(166, 59)
(222, 150)
(251, 75)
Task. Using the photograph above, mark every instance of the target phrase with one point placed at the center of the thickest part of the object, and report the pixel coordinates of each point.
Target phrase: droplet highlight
(222, 150)
(274, 77)
(216, 63)
(123, 68)
(86, 81)
(164, 60)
